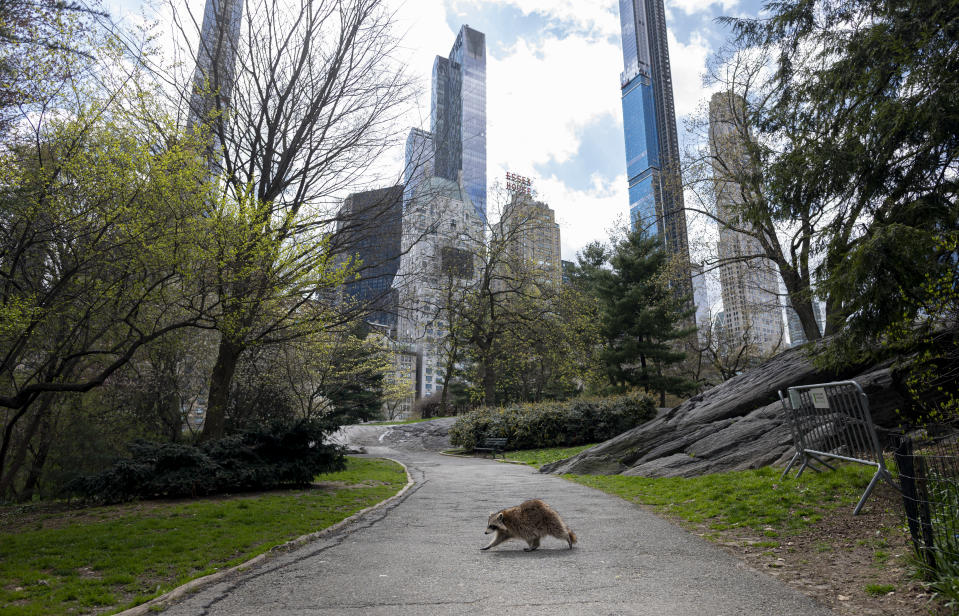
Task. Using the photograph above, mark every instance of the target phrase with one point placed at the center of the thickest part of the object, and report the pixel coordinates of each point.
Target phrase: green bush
(280, 455)
(554, 424)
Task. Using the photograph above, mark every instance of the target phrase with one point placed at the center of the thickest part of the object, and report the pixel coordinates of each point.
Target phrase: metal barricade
(832, 420)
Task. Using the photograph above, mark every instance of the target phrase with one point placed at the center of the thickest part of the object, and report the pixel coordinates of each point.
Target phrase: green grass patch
(112, 558)
(539, 457)
(877, 590)
(756, 499)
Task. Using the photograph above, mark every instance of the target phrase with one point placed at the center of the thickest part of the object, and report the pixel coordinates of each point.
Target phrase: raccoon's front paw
(528, 549)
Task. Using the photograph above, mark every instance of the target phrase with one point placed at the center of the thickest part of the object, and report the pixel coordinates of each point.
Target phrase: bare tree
(729, 352)
(312, 103)
(511, 294)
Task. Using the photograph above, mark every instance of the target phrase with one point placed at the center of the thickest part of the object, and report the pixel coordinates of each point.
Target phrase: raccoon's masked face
(495, 523)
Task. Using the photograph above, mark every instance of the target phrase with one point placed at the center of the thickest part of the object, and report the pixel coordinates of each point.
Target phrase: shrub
(428, 406)
(554, 424)
(280, 455)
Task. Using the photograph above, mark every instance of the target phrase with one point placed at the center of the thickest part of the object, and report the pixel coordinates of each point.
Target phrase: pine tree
(643, 318)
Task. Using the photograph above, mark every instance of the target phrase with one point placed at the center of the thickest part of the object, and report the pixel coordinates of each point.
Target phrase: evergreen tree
(872, 88)
(643, 318)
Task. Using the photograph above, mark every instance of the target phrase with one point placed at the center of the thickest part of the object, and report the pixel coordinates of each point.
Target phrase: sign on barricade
(832, 420)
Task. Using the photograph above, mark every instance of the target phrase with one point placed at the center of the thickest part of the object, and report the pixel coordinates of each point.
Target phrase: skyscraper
(369, 233)
(215, 59)
(749, 280)
(419, 161)
(440, 230)
(649, 124)
(458, 115)
(701, 300)
(534, 237)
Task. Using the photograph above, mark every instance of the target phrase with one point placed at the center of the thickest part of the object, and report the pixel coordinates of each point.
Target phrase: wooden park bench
(494, 445)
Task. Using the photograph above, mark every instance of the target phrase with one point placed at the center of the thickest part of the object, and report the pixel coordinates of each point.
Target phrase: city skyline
(554, 108)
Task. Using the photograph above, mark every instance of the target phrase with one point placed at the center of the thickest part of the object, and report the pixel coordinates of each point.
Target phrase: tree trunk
(807, 317)
(488, 379)
(8, 474)
(39, 460)
(801, 301)
(447, 375)
(227, 357)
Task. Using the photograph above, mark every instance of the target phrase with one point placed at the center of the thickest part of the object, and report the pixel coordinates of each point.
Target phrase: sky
(554, 112)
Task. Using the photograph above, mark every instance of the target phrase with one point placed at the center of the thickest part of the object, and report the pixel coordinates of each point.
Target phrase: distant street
(421, 556)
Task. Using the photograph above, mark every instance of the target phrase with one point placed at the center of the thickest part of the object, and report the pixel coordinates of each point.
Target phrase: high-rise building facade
(749, 280)
(369, 233)
(419, 161)
(649, 125)
(533, 235)
(458, 115)
(440, 231)
(215, 59)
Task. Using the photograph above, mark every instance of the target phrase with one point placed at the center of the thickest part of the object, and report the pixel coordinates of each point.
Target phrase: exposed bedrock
(737, 425)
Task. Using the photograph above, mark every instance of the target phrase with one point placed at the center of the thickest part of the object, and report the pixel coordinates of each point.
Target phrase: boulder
(739, 424)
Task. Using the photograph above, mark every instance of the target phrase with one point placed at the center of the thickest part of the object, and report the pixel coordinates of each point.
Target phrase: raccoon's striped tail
(572, 538)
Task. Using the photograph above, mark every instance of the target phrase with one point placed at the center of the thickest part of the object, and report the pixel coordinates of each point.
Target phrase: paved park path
(420, 555)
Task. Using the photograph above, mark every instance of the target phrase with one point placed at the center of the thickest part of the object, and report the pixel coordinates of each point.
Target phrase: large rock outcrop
(737, 425)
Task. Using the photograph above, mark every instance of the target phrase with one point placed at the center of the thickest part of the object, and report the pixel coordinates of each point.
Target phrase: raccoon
(530, 521)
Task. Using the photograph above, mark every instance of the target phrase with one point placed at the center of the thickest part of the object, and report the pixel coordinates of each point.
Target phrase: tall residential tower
(750, 281)
(457, 137)
(458, 115)
(215, 59)
(649, 125)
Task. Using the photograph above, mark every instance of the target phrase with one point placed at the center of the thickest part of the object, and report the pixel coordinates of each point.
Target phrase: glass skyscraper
(215, 58)
(419, 162)
(458, 115)
(369, 233)
(649, 126)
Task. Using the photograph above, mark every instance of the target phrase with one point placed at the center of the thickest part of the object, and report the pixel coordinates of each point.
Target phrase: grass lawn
(756, 498)
(105, 559)
(539, 457)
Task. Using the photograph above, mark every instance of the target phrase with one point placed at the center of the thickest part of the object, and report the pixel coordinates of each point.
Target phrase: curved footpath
(420, 555)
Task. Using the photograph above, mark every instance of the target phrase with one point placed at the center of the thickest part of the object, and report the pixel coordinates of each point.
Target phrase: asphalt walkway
(420, 555)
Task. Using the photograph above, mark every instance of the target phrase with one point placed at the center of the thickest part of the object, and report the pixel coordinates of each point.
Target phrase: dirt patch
(856, 565)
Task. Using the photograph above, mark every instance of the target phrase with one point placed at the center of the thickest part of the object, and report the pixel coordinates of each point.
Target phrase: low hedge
(279, 455)
(554, 424)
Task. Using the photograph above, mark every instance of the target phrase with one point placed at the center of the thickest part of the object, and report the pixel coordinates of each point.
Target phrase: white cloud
(688, 64)
(425, 34)
(541, 95)
(585, 215)
(697, 6)
(596, 16)
(541, 98)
